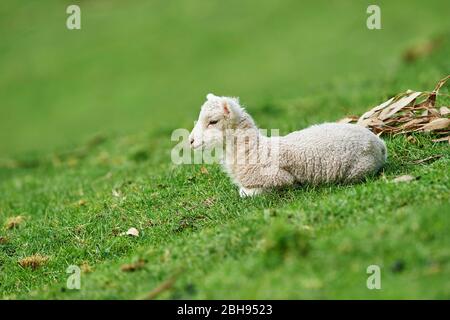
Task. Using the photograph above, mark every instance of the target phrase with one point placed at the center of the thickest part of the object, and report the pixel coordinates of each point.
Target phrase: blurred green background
(139, 66)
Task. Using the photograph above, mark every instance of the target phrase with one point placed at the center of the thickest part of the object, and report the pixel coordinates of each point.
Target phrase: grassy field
(85, 124)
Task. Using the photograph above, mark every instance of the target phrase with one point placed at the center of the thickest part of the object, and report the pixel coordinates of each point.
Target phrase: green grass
(85, 124)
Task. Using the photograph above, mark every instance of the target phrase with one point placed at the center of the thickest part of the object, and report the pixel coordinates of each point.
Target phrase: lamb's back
(330, 132)
(333, 152)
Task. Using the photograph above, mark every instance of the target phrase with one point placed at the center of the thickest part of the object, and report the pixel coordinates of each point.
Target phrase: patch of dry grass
(14, 222)
(35, 261)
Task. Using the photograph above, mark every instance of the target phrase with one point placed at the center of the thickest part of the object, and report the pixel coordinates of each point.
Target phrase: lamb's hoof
(243, 192)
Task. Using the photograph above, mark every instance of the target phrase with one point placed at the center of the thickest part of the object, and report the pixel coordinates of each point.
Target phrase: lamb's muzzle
(325, 153)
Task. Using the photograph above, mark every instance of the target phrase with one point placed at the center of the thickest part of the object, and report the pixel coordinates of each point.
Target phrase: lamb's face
(216, 116)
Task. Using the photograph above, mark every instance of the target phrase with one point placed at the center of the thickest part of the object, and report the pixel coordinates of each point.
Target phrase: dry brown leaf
(85, 267)
(376, 122)
(203, 170)
(130, 267)
(444, 111)
(348, 119)
(440, 84)
(404, 178)
(375, 109)
(447, 138)
(428, 103)
(33, 262)
(405, 114)
(14, 222)
(413, 123)
(434, 112)
(437, 124)
(3, 240)
(166, 285)
(398, 105)
(428, 159)
(133, 232)
(425, 105)
(364, 122)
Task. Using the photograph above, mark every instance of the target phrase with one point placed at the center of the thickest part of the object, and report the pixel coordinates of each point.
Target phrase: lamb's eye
(212, 122)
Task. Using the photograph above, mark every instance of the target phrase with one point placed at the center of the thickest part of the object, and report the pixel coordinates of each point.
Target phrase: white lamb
(325, 153)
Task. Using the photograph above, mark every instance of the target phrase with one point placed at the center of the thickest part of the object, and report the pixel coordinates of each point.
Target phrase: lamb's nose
(192, 141)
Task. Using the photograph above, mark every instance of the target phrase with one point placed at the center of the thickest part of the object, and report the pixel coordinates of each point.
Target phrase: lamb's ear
(231, 108)
(210, 96)
(226, 108)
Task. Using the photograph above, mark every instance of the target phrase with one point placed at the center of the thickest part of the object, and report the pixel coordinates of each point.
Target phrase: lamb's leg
(255, 184)
(244, 192)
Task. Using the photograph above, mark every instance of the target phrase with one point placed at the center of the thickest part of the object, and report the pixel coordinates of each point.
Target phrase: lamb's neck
(242, 146)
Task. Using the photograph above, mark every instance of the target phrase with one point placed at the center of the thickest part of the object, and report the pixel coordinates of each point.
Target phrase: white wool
(324, 153)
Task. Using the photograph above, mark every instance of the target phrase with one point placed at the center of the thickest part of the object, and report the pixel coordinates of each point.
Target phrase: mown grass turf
(77, 198)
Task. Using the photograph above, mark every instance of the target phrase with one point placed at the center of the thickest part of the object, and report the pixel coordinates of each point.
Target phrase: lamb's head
(217, 115)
